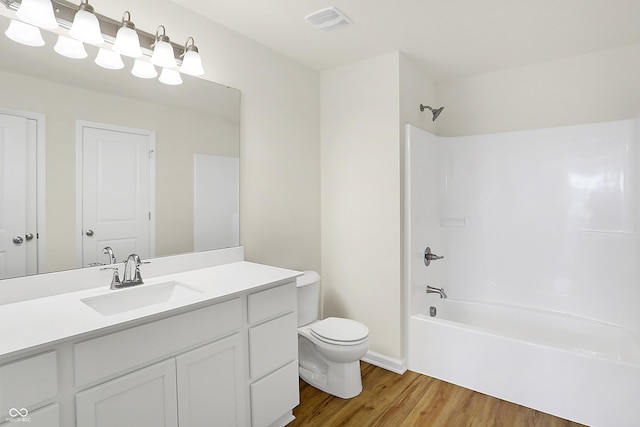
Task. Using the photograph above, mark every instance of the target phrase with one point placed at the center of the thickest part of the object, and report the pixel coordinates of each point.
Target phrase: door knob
(28, 236)
(89, 233)
(18, 240)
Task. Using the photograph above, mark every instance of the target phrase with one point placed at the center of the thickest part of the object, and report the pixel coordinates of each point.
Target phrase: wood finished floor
(392, 400)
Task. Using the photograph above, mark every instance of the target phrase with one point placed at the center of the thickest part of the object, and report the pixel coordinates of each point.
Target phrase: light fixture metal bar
(65, 11)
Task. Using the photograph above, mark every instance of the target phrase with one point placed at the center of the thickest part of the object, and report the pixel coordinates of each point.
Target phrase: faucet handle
(428, 256)
(115, 279)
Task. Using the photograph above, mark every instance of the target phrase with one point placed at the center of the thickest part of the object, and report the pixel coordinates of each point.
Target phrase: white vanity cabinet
(226, 360)
(202, 386)
(27, 386)
(273, 355)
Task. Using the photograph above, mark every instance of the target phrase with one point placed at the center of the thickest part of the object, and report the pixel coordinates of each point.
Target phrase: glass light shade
(71, 48)
(24, 34)
(86, 28)
(109, 59)
(163, 55)
(170, 77)
(192, 64)
(38, 13)
(127, 43)
(144, 70)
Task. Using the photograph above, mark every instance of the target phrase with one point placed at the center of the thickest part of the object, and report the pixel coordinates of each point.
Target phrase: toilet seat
(339, 331)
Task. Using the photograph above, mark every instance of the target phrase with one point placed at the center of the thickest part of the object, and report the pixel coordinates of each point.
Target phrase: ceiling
(446, 38)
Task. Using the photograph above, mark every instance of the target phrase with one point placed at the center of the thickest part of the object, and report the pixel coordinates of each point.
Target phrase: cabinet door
(144, 398)
(210, 385)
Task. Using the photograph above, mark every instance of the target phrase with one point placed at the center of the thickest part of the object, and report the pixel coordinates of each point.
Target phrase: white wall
(280, 128)
(590, 88)
(360, 158)
(363, 108)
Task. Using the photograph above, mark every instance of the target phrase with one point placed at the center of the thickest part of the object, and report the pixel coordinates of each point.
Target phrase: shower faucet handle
(428, 256)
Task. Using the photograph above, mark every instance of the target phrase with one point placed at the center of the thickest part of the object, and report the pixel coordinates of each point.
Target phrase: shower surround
(539, 235)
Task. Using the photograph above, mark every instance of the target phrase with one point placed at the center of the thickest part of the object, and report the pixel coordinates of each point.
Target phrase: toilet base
(342, 380)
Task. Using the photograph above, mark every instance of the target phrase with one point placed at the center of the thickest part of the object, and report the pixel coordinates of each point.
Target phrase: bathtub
(571, 367)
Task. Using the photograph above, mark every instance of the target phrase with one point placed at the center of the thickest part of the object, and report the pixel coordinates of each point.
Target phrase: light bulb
(162, 51)
(38, 13)
(191, 61)
(127, 41)
(86, 27)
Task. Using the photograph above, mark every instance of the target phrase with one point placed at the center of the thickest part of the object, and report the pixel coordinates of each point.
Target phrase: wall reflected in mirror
(198, 118)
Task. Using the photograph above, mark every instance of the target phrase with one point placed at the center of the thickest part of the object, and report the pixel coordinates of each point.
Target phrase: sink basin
(121, 300)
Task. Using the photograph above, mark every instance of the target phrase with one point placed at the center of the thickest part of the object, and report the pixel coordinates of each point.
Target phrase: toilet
(329, 350)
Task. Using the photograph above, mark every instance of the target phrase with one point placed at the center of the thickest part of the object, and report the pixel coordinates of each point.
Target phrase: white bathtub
(575, 368)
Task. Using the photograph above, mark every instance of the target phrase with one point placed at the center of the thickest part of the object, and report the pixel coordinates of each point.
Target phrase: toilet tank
(308, 297)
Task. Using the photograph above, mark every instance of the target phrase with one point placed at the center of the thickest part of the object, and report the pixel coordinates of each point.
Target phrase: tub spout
(434, 290)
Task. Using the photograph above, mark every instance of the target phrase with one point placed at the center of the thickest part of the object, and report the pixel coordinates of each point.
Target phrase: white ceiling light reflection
(71, 48)
(170, 77)
(144, 70)
(25, 34)
(109, 59)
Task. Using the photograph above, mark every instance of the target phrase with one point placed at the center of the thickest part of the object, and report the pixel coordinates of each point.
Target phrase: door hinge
(151, 154)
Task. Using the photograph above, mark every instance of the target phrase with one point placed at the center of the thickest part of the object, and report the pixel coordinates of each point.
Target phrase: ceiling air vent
(329, 19)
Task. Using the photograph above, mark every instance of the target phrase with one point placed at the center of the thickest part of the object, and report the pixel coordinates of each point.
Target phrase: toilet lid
(336, 329)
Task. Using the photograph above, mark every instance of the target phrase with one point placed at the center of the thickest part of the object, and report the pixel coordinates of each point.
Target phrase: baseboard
(399, 366)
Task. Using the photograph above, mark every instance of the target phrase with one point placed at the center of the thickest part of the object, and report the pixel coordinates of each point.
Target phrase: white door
(117, 192)
(18, 247)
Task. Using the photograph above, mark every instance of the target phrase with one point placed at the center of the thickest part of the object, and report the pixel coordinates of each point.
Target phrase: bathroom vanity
(209, 346)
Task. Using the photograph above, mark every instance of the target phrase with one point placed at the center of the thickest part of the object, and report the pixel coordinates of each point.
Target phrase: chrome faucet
(131, 275)
(108, 251)
(434, 290)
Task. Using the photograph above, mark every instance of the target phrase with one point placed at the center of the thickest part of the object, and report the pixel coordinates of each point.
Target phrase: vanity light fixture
(71, 48)
(86, 26)
(113, 38)
(25, 34)
(127, 41)
(38, 13)
(191, 61)
(144, 70)
(109, 59)
(170, 77)
(162, 50)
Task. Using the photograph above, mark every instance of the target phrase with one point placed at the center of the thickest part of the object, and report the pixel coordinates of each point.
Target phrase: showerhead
(436, 112)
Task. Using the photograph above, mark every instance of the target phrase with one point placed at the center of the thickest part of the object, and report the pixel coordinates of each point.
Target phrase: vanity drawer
(272, 302)
(272, 345)
(28, 382)
(274, 395)
(115, 353)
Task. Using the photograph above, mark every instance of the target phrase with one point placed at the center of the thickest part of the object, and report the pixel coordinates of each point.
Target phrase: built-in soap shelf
(452, 222)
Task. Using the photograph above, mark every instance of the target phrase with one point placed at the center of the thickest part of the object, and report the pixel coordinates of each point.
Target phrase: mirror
(198, 117)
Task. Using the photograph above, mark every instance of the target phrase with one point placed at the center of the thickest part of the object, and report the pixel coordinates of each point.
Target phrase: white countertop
(33, 323)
